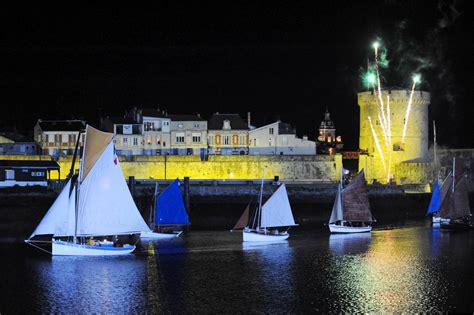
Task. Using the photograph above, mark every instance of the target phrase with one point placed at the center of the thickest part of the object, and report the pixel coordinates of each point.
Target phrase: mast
(79, 179)
(454, 172)
(153, 208)
(260, 204)
(434, 149)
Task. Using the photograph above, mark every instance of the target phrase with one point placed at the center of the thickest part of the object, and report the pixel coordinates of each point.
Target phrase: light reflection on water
(90, 284)
(416, 269)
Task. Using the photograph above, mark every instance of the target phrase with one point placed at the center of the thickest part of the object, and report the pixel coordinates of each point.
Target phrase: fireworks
(372, 80)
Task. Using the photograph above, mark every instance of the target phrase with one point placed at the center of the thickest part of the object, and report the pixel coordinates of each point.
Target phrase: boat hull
(438, 220)
(456, 226)
(61, 248)
(159, 236)
(253, 236)
(349, 229)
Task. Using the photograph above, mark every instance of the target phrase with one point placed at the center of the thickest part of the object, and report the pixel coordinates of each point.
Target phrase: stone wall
(234, 167)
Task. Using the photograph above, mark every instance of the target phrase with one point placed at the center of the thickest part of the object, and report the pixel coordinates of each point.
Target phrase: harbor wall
(322, 168)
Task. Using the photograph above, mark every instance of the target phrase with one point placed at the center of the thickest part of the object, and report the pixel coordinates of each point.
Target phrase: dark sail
(459, 205)
(445, 196)
(355, 200)
(244, 219)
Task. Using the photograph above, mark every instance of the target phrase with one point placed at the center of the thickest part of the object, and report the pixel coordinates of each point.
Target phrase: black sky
(279, 60)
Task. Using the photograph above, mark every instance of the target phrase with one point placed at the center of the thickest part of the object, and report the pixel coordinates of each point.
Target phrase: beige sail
(95, 143)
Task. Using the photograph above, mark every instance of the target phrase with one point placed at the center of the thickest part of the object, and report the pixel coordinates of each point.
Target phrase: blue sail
(435, 200)
(170, 206)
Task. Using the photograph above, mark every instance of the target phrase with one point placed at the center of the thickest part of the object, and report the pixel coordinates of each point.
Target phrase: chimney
(248, 119)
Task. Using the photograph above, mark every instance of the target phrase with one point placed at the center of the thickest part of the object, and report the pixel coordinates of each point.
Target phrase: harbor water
(399, 267)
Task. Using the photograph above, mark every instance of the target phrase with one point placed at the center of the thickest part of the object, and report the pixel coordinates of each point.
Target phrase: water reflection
(349, 244)
(91, 284)
(166, 275)
(274, 273)
(391, 276)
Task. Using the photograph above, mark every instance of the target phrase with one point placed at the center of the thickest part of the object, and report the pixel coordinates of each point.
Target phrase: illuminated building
(328, 142)
(383, 148)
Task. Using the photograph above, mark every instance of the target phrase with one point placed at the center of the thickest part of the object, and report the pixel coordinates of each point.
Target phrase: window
(254, 142)
(37, 174)
(226, 140)
(124, 141)
(270, 131)
(9, 174)
(196, 138)
(242, 140)
(210, 139)
(158, 140)
(135, 141)
(180, 126)
(148, 139)
(180, 137)
(196, 125)
(164, 143)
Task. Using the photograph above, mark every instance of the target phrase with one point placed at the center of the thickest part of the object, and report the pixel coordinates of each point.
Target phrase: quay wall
(219, 167)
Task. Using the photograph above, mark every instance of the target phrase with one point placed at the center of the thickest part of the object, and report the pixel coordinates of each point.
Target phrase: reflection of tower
(394, 150)
(327, 142)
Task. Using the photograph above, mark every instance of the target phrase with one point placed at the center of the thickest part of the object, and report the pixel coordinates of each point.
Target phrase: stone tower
(395, 150)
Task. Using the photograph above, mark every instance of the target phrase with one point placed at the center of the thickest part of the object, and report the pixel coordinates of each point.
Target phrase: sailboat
(95, 203)
(169, 211)
(437, 198)
(275, 213)
(438, 194)
(455, 205)
(351, 210)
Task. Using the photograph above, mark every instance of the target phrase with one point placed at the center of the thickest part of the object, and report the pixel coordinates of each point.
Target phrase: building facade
(228, 134)
(58, 137)
(188, 135)
(279, 138)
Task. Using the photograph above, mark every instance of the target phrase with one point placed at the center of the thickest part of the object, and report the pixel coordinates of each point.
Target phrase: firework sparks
(377, 144)
(416, 79)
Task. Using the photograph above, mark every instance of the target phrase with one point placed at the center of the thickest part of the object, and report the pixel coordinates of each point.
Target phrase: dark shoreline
(218, 208)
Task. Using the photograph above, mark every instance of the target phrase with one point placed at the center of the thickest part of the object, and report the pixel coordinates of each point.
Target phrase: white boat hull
(253, 236)
(439, 220)
(159, 236)
(61, 248)
(349, 229)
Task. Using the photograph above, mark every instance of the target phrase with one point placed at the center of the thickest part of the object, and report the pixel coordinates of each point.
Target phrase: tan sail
(95, 143)
(355, 201)
(244, 219)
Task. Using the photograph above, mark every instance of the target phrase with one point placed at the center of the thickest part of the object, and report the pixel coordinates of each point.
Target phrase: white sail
(336, 214)
(277, 210)
(59, 220)
(106, 206)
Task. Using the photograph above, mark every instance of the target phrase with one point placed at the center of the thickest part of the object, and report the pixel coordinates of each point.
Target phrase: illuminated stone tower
(380, 163)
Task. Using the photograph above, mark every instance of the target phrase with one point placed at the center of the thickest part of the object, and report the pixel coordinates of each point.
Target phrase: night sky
(279, 60)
